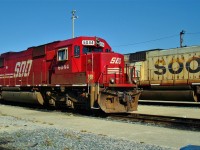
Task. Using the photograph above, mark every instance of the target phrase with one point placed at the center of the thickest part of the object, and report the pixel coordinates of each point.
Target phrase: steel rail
(160, 120)
(169, 103)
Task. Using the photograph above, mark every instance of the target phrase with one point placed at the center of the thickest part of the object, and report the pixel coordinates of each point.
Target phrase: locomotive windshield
(92, 49)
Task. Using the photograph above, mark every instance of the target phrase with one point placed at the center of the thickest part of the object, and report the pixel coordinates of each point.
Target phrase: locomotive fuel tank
(23, 97)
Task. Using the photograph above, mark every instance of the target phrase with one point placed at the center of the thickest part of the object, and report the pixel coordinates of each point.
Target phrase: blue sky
(127, 25)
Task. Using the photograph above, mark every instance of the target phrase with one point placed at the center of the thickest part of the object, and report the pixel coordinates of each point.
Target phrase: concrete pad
(172, 138)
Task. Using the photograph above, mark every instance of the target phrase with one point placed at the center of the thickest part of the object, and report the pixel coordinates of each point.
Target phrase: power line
(162, 38)
(167, 37)
(194, 33)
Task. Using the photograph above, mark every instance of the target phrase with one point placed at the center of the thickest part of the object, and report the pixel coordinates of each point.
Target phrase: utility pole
(73, 18)
(181, 38)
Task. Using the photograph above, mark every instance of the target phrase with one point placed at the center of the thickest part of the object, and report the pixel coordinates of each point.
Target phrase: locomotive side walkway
(166, 137)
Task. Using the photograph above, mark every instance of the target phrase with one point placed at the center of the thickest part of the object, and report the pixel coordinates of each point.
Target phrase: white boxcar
(173, 69)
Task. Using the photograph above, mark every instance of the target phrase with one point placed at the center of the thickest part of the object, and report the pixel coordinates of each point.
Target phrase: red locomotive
(82, 73)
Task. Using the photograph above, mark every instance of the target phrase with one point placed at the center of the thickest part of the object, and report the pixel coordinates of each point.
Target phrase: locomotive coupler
(127, 97)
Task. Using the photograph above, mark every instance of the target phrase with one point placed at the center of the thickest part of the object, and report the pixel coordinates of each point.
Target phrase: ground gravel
(17, 134)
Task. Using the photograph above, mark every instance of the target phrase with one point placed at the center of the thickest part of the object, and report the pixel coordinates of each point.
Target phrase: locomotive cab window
(91, 49)
(107, 50)
(1, 62)
(62, 54)
(76, 51)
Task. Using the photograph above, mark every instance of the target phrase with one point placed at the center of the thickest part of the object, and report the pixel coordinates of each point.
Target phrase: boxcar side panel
(175, 66)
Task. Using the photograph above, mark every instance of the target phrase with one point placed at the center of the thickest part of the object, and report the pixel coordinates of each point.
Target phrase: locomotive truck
(171, 75)
(81, 73)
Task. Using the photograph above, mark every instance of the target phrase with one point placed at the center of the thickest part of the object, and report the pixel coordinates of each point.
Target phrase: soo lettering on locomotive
(82, 73)
(172, 75)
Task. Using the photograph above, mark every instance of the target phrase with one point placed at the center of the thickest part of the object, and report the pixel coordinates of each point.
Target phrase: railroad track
(169, 103)
(164, 121)
(148, 119)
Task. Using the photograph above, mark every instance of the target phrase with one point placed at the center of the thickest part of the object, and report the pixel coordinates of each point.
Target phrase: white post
(73, 18)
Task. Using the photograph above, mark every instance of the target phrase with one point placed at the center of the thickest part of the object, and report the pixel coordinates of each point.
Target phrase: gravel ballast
(22, 134)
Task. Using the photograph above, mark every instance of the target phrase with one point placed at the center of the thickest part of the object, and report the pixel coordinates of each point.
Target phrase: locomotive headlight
(90, 76)
(112, 81)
